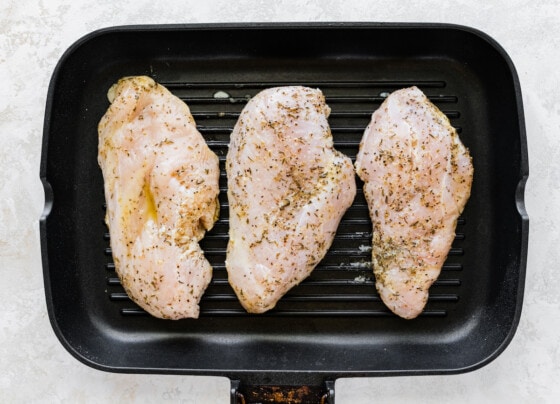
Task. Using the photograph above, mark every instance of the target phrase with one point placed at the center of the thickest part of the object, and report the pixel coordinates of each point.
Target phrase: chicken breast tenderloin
(417, 179)
(287, 189)
(161, 188)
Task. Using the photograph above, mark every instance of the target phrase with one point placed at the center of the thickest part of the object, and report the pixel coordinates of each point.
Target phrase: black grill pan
(333, 324)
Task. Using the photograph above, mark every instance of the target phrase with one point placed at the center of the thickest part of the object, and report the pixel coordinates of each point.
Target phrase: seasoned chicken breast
(287, 189)
(161, 188)
(417, 179)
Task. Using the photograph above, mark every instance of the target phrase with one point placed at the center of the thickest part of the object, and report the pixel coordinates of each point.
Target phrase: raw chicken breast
(287, 189)
(418, 178)
(161, 188)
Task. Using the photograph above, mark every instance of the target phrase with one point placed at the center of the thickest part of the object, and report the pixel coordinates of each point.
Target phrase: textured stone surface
(34, 367)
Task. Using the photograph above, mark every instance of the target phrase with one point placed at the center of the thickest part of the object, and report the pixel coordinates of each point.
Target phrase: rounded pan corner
(498, 351)
(57, 329)
(482, 36)
(68, 346)
(72, 347)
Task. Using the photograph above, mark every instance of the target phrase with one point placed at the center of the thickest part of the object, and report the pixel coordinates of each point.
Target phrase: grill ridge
(343, 283)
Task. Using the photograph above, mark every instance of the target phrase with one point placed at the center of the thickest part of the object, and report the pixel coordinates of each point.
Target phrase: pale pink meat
(161, 188)
(417, 179)
(287, 189)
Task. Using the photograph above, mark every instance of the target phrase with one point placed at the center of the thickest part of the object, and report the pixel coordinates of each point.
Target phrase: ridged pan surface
(333, 324)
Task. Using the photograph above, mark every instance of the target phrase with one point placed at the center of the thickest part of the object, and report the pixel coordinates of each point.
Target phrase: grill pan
(333, 324)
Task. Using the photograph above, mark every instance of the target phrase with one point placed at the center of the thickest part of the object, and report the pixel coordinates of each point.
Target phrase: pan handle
(252, 394)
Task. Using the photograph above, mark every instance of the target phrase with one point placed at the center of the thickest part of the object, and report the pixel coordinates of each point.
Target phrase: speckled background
(34, 367)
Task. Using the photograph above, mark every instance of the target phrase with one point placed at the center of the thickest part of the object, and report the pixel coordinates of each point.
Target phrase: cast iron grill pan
(343, 284)
(333, 324)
